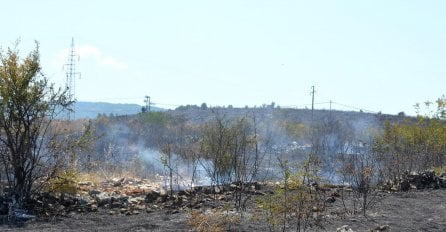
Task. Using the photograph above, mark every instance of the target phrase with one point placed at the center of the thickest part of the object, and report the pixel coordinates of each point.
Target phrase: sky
(379, 56)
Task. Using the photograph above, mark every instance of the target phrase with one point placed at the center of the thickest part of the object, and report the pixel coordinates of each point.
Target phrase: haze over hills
(93, 109)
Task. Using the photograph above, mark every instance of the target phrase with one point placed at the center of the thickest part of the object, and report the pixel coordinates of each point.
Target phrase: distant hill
(92, 109)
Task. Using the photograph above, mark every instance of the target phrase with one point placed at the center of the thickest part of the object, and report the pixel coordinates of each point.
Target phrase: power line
(331, 104)
(112, 99)
(354, 107)
(164, 104)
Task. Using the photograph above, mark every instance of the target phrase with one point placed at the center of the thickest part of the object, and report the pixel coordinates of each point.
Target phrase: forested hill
(198, 114)
(278, 131)
(283, 125)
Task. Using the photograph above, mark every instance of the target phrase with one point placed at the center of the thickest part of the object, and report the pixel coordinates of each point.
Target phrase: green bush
(440, 170)
(65, 182)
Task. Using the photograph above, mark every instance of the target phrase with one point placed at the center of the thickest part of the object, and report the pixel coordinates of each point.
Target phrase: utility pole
(312, 102)
(330, 108)
(147, 101)
(312, 130)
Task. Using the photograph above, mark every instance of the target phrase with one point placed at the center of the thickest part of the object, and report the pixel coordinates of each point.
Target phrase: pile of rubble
(123, 195)
(131, 197)
(417, 180)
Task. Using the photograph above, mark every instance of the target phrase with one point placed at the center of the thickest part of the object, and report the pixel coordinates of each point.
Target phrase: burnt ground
(421, 210)
(418, 210)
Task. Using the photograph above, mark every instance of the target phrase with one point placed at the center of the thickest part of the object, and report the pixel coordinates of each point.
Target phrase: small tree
(232, 149)
(29, 103)
(295, 201)
(216, 147)
(360, 169)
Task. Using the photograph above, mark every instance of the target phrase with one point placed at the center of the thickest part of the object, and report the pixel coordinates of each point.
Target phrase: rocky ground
(137, 205)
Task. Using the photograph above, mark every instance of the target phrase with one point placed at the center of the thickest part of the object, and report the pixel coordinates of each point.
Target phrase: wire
(353, 107)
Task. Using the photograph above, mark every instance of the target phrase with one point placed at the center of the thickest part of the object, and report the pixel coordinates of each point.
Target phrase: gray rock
(116, 204)
(344, 228)
(382, 228)
(119, 182)
(94, 192)
(85, 200)
(102, 199)
(93, 208)
(330, 199)
(151, 197)
(136, 200)
(85, 183)
(163, 192)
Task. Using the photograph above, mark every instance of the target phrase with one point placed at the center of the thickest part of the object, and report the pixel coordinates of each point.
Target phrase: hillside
(93, 109)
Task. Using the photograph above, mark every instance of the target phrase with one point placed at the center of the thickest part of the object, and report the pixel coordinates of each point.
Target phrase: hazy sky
(377, 55)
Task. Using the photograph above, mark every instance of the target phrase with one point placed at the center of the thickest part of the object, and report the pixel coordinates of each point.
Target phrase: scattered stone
(140, 207)
(382, 228)
(116, 204)
(331, 199)
(102, 199)
(130, 212)
(414, 180)
(405, 185)
(85, 183)
(118, 182)
(93, 208)
(94, 192)
(129, 198)
(183, 193)
(335, 193)
(175, 211)
(258, 193)
(84, 200)
(163, 192)
(344, 228)
(136, 200)
(151, 197)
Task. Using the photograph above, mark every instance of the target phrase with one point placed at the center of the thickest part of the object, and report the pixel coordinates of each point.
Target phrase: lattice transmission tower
(71, 75)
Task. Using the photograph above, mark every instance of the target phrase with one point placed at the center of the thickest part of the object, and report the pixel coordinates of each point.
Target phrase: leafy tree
(29, 104)
(411, 146)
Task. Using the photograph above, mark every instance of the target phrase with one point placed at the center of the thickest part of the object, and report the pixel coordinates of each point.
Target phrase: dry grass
(215, 220)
